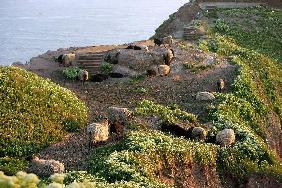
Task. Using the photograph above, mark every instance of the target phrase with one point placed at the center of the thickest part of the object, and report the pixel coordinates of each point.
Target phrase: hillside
(242, 46)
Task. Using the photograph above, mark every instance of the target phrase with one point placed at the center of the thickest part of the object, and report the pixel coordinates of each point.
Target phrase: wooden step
(88, 60)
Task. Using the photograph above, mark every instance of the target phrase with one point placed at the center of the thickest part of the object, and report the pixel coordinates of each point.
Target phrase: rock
(198, 133)
(204, 96)
(225, 137)
(163, 70)
(98, 132)
(121, 115)
(44, 167)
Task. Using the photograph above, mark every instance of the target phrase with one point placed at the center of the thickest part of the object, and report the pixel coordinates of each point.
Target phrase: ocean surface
(31, 27)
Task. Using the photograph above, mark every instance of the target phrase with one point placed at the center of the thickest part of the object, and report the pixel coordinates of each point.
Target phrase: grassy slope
(34, 113)
(251, 38)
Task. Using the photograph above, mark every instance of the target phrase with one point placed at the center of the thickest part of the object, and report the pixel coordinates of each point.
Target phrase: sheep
(138, 47)
(60, 58)
(220, 85)
(198, 133)
(68, 59)
(117, 128)
(166, 40)
(44, 167)
(83, 76)
(163, 70)
(112, 58)
(98, 132)
(121, 115)
(157, 42)
(225, 137)
(168, 56)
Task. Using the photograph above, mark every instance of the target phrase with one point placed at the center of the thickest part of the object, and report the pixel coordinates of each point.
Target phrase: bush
(32, 112)
(166, 113)
(71, 125)
(11, 165)
(71, 73)
(106, 68)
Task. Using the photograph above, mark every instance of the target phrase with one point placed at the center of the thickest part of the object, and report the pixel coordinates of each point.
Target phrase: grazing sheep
(220, 85)
(117, 128)
(60, 58)
(225, 137)
(157, 42)
(83, 76)
(167, 40)
(168, 56)
(121, 115)
(68, 59)
(138, 47)
(198, 133)
(43, 167)
(163, 70)
(112, 57)
(98, 132)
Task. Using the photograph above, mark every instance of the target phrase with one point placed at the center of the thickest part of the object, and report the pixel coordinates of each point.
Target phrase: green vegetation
(71, 73)
(106, 68)
(144, 154)
(256, 95)
(193, 68)
(12, 165)
(169, 114)
(33, 111)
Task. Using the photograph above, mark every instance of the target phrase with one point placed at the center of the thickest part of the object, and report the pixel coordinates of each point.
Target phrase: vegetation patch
(33, 112)
(170, 114)
(71, 73)
(256, 90)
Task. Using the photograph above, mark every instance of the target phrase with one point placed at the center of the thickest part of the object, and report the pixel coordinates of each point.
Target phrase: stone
(205, 96)
(225, 137)
(198, 133)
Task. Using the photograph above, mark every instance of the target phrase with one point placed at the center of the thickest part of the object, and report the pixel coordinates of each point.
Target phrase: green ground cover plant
(256, 91)
(33, 112)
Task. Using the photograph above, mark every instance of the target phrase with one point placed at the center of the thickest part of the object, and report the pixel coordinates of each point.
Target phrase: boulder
(205, 96)
(198, 133)
(225, 137)
(43, 167)
(121, 115)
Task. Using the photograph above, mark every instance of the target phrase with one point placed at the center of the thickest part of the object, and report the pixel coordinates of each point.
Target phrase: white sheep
(121, 115)
(68, 59)
(98, 132)
(225, 137)
(198, 133)
(167, 40)
(83, 76)
(163, 70)
(220, 85)
(168, 56)
(44, 167)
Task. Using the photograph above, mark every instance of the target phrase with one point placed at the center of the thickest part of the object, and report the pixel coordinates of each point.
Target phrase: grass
(33, 111)
(256, 91)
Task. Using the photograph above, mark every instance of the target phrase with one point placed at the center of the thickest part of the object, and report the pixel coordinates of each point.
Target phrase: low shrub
(33, 111)
(71, 73)
(106, 68)
(166, 113)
